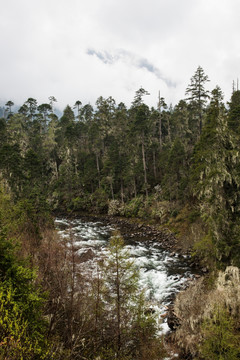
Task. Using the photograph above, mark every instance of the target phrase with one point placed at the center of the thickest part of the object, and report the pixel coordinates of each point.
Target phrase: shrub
(20, 339)
(115, 207)
(133, 207)
(99, 201)
(220, 340)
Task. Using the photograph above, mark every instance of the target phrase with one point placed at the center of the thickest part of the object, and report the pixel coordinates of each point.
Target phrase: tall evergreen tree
(197, 94)
(234, 112)
(140, 126)
(9, 106)
(216, 183)
(31, 106)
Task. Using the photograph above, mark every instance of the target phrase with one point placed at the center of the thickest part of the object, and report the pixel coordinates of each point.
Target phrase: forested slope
(176, 165)
(131, 162)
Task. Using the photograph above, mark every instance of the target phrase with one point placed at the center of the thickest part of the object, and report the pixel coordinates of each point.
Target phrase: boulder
(172, 320)
(87, 255)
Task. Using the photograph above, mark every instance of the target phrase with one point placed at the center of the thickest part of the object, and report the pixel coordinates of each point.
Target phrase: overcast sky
(83, 49)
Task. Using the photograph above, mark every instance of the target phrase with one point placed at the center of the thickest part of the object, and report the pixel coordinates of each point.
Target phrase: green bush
(220, 340)
(81, 203)
(133, 207)
(99, 201)
(21, 338)
(115, 207)
(205, 251)
(22, 327)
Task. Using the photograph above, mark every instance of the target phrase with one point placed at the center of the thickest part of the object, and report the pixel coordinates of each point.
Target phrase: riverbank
(177, 227)
(206, 317)
(140, 230)
(163, 269)
(190, 316)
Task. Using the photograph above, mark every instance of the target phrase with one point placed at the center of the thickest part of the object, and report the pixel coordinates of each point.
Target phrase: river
(162, 273)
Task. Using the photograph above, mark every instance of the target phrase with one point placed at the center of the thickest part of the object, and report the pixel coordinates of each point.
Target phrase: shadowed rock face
(173, 321)
(197, 303)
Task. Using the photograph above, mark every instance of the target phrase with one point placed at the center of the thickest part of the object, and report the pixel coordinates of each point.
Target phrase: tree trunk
(169, 130)
(72, 291)
(154, 165)
(160, 131)
(98, 170)
(118, 312)
(134, 187)
(160, 121)
(111, 185)
(144, 169)
(122, 191)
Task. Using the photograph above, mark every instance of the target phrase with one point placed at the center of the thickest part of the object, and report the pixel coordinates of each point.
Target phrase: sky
(83, 49)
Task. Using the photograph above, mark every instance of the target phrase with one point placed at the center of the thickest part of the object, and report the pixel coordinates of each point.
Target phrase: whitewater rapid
(162, 274)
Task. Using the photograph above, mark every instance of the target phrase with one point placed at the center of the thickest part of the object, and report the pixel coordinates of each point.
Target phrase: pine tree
(127, 324)
(140, 129)
(234, 112)
(215, 182)
(77, 106)
(121, 280)
(197, 94)
(9, 106)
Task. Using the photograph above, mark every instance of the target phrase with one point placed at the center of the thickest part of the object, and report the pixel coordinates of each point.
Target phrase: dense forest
(175, 166)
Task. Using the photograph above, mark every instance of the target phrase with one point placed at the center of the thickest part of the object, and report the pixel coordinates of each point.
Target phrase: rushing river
(162, 274)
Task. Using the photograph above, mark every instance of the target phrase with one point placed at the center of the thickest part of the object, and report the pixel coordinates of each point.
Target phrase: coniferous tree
(77, 106)
(140, 126)
(52, 100)
(9, 106)
(31, 106)
(124, 304)
(234, 112)
(198, 95)
(216, 181)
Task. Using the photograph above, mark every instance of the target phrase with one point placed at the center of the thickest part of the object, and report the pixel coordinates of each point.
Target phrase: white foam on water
(153, 262)
(63, 234)
(164, 328)
(62, 221)
(90, 243)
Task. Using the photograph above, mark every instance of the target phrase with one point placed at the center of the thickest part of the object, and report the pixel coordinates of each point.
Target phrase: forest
(176, 167)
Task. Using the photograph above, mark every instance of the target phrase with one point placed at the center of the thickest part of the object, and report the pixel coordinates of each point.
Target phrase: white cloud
(46, 47)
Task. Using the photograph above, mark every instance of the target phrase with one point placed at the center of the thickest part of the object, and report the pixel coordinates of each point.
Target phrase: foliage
(115, 208)
(205, 250)
(215, 182)
(123, 304)
(99, 201)
(21, 337)
(22, 326)
(177, 165)
(115, 155)
(220, 341)
(133, 207)
(197, 94)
